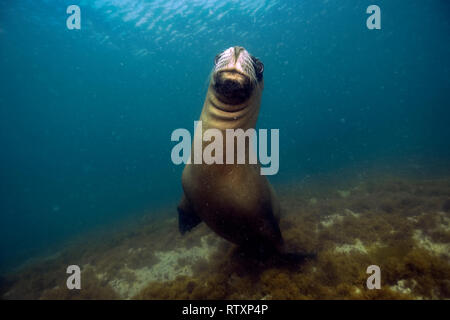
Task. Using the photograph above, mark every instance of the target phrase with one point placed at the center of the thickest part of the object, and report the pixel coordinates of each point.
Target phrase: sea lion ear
(216, 58)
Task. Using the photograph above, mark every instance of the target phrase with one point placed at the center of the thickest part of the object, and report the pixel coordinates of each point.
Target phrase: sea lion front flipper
(187, 219)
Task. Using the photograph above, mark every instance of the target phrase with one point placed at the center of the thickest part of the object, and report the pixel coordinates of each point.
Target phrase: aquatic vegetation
(92, 288)
(399, 224)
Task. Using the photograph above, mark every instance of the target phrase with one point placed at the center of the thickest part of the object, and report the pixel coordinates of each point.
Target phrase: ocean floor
(400, 224)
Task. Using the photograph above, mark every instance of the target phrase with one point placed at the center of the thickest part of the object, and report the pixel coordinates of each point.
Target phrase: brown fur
(234, 200)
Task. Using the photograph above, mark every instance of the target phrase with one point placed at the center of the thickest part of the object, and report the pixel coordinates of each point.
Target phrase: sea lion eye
(259, 67)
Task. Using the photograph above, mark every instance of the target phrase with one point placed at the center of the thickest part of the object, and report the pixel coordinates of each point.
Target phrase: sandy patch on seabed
(167, 269)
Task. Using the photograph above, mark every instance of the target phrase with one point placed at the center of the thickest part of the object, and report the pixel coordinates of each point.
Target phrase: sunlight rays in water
(168, 21)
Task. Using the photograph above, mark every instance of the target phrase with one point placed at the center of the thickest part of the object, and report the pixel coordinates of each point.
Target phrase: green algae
(394, 223)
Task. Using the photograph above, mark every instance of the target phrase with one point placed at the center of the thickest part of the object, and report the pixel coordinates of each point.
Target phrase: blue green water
(86, 115)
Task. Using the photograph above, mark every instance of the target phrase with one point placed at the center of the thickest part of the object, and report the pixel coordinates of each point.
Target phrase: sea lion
(234, 200)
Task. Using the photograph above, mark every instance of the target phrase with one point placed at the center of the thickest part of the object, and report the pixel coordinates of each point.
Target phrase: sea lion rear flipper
(296, 257)
(289, 255)
(187, 219)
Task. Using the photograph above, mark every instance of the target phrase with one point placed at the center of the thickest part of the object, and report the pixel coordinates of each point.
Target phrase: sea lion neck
(222, 116)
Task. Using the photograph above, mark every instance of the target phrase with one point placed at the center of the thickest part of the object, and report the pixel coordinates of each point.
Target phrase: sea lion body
(234, 200)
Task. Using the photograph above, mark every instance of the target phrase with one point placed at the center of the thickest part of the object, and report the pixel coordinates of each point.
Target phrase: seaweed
(390, 221)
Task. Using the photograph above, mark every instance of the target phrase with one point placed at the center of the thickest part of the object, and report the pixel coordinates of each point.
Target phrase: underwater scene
(123, 175)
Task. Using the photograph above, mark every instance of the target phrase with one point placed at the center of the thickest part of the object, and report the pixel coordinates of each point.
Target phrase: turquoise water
(86, 115)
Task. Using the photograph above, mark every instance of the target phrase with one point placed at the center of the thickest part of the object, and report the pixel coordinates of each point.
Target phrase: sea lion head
(237, 76)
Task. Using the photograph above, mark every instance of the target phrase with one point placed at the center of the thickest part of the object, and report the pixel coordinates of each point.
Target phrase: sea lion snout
(232, 87)
(236, 74)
